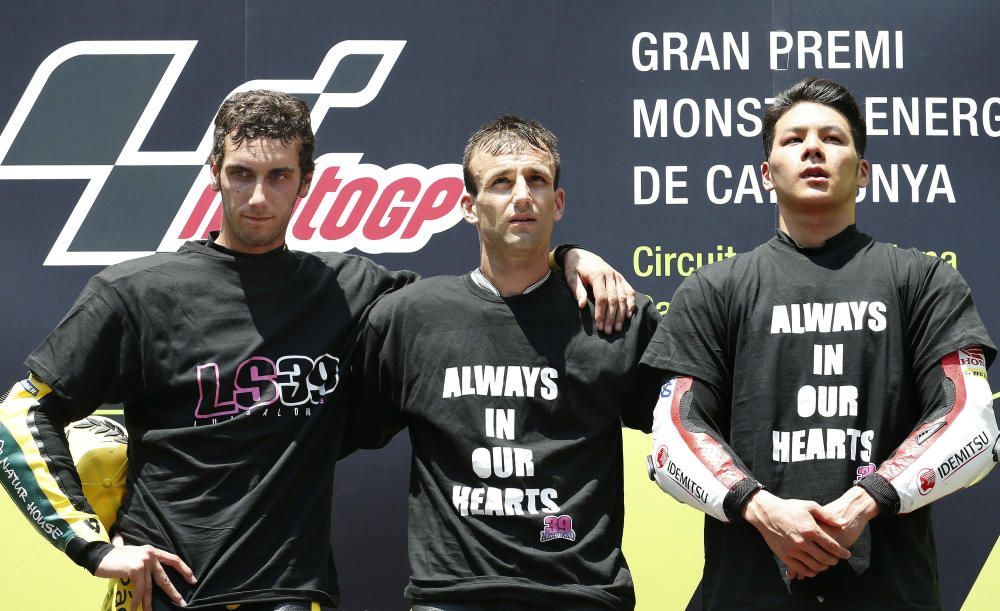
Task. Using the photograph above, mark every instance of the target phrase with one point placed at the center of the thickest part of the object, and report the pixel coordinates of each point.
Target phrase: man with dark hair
(816, 91)
(509, 134)
(226, 356)
(262, 113)
(514, 404)
(821, 390)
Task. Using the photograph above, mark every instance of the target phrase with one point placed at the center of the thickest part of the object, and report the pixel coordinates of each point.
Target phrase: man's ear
(468, 204)
(765, 176)
(306, 183)
(216, 185)
(560, 203)
(864, 173)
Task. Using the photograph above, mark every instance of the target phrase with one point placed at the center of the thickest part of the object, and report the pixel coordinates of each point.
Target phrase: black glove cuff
(882, 491)
(88, 554)
(737, 496)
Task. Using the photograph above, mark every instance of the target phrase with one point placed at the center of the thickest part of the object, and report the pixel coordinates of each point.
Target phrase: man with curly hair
(227, 358)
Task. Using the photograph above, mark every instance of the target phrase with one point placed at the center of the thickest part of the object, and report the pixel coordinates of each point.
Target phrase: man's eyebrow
(496, 171)
(241, 167)
(822, 128)
(535, 167)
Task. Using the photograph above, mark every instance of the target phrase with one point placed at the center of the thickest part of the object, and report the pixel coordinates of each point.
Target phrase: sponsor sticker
(667, 389)
(926, 480)
(864, 471)
(29, 388)
(558, 527)
(973, 361)
(662, 456)
(696, 490)
(970, 450)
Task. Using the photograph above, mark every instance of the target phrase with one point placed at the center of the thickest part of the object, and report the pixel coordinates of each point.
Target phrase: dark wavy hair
(261, 113)
(509, 134)
(819, 91)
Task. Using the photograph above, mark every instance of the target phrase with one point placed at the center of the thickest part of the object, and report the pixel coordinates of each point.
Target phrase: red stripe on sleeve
(706, 449)
(909, 450)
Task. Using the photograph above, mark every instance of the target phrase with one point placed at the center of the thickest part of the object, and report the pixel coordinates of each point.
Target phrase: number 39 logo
(558, 527)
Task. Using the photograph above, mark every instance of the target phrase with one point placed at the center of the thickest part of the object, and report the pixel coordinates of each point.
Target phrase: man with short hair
(226, 356)
(821, 390)
(514, 404)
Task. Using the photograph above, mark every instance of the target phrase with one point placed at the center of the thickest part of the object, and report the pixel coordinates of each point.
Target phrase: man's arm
(692, 462)
(953, 446)
(374, 414)
(614, 297)
(39, 475)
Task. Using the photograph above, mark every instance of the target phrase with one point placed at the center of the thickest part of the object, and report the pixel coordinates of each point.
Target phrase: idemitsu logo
(118, 89)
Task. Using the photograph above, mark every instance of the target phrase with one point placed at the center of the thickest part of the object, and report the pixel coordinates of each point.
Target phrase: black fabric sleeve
(638, 410)
(48, 423)
(691, 339)
(375, 416)
(91, 357)
(882, 492)
(88, 554)
(557, 260)
(738, 497)
(398, 279)
(941, 314)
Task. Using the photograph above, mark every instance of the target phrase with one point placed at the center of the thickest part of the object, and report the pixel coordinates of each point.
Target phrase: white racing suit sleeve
(953, 446)
(691, 461)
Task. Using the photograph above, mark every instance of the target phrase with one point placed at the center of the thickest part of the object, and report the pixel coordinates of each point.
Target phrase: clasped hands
(810, 538)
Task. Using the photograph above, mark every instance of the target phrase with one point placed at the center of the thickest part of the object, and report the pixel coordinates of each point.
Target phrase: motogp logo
(101, 99)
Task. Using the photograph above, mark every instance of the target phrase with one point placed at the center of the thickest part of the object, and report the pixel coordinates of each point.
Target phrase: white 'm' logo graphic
(363, 206)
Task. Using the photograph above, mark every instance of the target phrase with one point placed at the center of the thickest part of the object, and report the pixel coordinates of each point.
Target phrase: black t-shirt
(229, 370)
(817, 353)
(514, 407)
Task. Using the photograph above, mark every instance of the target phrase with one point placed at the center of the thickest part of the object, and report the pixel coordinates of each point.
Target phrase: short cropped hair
(509, 134)
(819, 91)
(261, 113)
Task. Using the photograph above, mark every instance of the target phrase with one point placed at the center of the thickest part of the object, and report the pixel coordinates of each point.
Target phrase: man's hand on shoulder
(791, 531)
(614, 297)
(143, 564)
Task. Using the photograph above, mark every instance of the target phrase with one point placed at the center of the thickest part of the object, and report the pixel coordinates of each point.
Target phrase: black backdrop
(596, 74)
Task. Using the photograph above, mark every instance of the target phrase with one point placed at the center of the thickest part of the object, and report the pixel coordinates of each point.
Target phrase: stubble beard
(246, 238)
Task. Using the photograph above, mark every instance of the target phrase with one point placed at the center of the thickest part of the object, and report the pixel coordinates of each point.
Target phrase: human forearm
(691, 461)
(614, 297)
(37, 471)
(954, 444)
